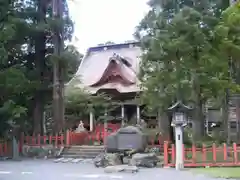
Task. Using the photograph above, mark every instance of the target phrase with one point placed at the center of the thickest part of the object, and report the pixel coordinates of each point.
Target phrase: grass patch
(219, 172)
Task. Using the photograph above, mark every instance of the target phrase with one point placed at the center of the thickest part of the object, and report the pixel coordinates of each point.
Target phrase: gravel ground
(47, 169)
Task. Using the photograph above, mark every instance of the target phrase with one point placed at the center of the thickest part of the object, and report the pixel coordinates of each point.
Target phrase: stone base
(47, 151)
(121, 168)
(148, 160)
(107, 159)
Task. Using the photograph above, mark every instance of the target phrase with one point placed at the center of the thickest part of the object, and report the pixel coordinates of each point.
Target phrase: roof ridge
(112, 46)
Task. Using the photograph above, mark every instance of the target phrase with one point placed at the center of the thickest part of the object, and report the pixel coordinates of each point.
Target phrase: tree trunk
(198, 117)
(237, 71)
(61, 100)
(164, 125)
(198, 125)
(37, 114)
(225, 112)
(198, 122)
(40, 68)
(58, 90)
(56, 97)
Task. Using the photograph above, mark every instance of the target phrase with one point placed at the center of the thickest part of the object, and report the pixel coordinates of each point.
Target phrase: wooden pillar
(138, 114)
(122, 114)
(68, 138)
(91, 121)
(105, 128)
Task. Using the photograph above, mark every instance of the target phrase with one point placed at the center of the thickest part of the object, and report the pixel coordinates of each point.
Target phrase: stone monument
(80, 128)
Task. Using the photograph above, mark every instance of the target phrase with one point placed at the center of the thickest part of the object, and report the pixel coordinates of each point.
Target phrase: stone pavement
(73, 160)
(48, 170)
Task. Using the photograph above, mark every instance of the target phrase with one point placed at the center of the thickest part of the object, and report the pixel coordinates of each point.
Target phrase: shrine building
(113, 69)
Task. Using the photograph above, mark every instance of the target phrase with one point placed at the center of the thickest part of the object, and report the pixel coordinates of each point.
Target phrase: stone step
(83, 150)
(82, 153)
(70, 151)
(73, 160)
(87, 147)
(83, 156)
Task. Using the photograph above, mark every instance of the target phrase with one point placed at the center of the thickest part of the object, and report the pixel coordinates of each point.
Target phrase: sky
(99, 21)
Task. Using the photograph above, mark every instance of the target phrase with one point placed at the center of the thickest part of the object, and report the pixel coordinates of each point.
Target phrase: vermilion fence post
(204, 155)
(33, 139)
(165, 153)
(44, 140)
(74, 137)
(224, 152)
(56, 140)
(67, 138)
(5, 148)
(93, 138)
(184, 153)
(214, 153)
(89, 138)
(193, 153)
(173, 153)
(70, 137)
(39, 140)
(50, 139)
(1, 149)
(98, 138)
(235, 152)
(62, 139)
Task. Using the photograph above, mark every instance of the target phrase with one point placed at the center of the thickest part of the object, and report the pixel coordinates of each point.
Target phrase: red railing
(193, 157)
(157, 141)
(5, 148)
(86, 138)
(204, 156)
(76, 138)
(38, 140)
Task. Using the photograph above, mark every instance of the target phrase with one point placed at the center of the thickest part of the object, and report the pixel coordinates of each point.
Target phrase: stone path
(47, 169)
(72, 160)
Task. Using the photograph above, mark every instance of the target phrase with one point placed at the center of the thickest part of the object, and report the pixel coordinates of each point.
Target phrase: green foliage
(227, 33)
(179, 53)
(79, 103)
(185, 45)
(26, 39)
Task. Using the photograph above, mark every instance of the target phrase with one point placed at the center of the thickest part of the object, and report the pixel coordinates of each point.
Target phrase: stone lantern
(179, 113)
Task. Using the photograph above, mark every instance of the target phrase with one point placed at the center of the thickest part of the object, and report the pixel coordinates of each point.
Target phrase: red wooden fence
(5, 148)
(70, 138)
(57, 140)
(204, 156)
(98, 138)
(193, 157)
